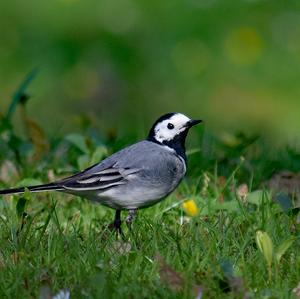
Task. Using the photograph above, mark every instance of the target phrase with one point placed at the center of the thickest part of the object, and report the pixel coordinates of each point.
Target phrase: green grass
(232, 248)
(63, 242)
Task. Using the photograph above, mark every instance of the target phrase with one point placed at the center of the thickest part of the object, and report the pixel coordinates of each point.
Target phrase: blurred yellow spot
(191, 57)
(190, 207)
(229, 139)
(244, 46)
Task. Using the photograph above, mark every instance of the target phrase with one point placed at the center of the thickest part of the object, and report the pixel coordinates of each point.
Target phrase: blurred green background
(120, 64)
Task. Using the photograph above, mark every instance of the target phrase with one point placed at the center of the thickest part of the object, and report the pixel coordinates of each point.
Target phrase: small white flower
(62, 294)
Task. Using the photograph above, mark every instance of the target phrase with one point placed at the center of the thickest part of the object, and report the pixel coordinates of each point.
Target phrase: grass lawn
(231, 229)
(233, 238)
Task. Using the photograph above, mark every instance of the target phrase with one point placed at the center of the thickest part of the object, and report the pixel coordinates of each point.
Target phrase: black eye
(170, 126)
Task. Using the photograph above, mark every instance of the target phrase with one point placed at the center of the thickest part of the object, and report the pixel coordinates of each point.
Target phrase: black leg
(117, 221)
(131, 215)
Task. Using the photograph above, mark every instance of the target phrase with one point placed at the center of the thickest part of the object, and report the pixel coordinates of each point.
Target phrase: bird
(137, 176)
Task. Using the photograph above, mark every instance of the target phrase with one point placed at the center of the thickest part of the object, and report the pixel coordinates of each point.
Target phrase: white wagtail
(135, 177)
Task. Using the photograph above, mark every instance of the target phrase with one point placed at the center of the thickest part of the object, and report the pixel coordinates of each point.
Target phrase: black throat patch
(177, 143)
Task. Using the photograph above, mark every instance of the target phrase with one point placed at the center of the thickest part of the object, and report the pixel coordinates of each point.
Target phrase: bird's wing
(151, 161)
(98, 180)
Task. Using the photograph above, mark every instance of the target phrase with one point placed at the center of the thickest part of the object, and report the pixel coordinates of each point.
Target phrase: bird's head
(171, 129)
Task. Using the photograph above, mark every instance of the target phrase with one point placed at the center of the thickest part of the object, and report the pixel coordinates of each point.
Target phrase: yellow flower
(190, 207)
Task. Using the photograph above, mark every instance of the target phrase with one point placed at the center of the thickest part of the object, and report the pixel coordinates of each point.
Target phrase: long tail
(38, 188)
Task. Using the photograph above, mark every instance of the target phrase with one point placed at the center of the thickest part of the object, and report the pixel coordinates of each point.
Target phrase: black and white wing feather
(99, 180)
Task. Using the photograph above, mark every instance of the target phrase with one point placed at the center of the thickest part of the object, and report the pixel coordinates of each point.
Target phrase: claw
(130, 217)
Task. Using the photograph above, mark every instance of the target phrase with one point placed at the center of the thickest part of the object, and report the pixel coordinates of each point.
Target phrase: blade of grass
(20, 93)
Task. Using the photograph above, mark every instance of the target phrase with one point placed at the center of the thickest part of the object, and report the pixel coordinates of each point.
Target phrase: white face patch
(169, 128)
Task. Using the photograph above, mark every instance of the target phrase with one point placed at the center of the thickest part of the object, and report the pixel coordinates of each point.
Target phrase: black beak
(193, 122)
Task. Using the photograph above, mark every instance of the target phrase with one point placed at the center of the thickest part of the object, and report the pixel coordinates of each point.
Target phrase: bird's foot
(116, 224)
(130, 217)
